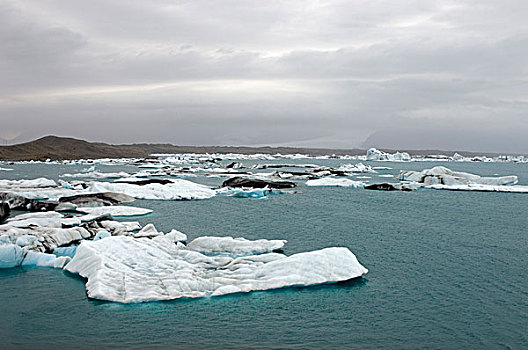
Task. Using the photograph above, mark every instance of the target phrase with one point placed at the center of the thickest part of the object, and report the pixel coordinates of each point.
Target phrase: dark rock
(256, 183)
(235, 165)
(147, 182)
(4, 211)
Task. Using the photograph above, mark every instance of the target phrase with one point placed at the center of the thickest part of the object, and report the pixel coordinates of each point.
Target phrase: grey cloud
(322, 73)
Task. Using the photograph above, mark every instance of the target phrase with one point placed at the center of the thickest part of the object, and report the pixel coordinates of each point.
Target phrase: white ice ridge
(35, 183)
(98, 175)
(356, 168)
(115, 210)
(125, 269)
(234, 246)
(178, 189)
(440, 175)
(332, 181)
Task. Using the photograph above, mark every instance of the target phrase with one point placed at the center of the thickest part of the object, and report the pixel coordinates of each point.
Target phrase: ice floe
(115, 210)
(440, 175)
(356, 168)
(34, 183)
(176, 190)
(97, 175)
(126, 269)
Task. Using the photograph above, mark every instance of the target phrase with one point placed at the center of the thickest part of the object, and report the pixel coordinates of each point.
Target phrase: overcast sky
(399, 74)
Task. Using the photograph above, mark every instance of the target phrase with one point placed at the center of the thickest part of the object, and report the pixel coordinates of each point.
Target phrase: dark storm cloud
(321, 73)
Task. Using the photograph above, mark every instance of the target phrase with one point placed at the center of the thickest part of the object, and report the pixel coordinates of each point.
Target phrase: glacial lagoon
(446, 269)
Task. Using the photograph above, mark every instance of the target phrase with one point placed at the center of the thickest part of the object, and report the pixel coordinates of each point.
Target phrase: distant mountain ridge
(60, 148)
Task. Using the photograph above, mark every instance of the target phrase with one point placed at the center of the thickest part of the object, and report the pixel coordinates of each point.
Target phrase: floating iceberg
(177, 189)
(40, 182)
(377, 155)
(356, 168)
(332, 181)
(125, 269)
(115, 210)
(97, 175)
(440, 175)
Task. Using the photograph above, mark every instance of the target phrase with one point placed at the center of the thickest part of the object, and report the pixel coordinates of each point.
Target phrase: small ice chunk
(65, 251)
(148, 231)
(102, 234)
(26, 240)
(11, 255)
(176, 236)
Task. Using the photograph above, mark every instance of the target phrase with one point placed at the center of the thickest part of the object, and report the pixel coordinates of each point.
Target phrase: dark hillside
(57, 148)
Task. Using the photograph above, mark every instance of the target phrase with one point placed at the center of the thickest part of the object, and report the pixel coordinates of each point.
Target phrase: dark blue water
(446, 270)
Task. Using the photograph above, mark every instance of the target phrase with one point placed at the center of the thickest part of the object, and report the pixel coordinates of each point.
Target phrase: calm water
(446, 270)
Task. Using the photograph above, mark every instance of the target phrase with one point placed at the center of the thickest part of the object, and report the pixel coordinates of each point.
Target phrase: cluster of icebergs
(439, 178)
(442, 178)
(23, 194)
(124, 262)
(72, 224)
(209, 159)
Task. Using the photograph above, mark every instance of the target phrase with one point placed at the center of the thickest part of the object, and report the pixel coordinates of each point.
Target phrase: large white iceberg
(440, 175)
(126, 269)
(178, 189)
